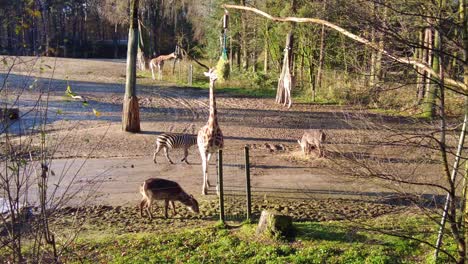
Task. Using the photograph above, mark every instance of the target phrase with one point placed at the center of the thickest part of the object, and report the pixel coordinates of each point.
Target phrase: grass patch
(315, 242)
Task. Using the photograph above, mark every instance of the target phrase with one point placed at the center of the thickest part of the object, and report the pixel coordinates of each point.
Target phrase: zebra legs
(158, 148)
(185, 156)
(167, 155)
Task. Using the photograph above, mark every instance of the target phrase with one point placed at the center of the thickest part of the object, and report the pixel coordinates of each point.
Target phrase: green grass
(314, 242)
(330, 242)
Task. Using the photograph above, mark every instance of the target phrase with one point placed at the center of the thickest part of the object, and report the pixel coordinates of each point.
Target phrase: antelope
(312, 138)
(169, 191)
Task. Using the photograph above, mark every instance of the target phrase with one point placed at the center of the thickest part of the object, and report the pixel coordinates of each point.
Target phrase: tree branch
(456, 85)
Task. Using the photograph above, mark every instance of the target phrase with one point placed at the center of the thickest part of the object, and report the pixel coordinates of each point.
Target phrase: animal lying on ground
(173, 141)
(169, 191)
(311, 139)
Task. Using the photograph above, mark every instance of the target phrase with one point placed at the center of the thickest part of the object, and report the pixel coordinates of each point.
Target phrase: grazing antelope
(311, 139)
(174, 141)
(169, 191)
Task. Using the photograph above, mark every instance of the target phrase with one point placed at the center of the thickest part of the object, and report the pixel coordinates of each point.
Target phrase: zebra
(174, 141)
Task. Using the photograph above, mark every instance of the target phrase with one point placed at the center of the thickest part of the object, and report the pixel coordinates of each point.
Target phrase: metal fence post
(220, 185)
(247, 178)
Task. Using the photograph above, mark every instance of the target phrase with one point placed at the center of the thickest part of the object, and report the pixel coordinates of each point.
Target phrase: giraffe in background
(159, 63)
(210, 137)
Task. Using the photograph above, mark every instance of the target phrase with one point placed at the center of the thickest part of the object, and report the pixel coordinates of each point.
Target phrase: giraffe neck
(213, 118)
(166, 57)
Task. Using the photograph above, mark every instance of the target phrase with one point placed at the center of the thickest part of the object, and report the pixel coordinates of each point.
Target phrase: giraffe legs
(152, 73)
(160, 72)
(204, 157)
(152, 68)
(205, 174)
(207, 162)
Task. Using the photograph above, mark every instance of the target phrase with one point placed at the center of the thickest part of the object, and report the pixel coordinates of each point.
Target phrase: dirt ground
(110, 164)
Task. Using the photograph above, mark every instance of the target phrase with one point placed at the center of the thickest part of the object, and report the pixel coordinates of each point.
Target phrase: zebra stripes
(174, 141)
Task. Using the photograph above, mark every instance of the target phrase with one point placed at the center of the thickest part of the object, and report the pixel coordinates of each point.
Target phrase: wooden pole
(247, 178)
(220, 185)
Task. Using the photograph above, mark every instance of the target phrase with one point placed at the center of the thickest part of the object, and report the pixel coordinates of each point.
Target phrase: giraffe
(210, 137)
(159, 62)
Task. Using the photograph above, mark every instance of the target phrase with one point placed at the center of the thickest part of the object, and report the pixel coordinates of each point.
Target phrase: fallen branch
(456, 85)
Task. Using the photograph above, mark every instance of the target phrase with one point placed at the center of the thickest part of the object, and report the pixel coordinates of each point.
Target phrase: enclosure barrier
(234, 193)
(247, 184)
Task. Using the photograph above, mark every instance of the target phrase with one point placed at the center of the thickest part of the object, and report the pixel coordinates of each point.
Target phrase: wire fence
(234, 186)
(303, 198)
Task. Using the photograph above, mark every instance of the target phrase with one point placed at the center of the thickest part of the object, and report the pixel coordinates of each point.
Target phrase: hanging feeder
(222, 67)
(225, 19)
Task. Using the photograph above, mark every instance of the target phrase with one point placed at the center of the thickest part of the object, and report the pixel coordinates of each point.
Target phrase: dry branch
(456, 85)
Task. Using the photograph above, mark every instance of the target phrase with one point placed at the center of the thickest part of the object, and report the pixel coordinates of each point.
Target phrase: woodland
(429, 32)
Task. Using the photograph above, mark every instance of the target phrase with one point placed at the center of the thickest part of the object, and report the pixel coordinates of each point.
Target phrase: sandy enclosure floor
(118, 162)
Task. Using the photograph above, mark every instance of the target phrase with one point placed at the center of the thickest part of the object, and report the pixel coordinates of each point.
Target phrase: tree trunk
(429, 106)
(115, 42)
(302, 69)
(254, 51)
(464, 20)
(75, 38)
(245, 52)
(312, 78)
(230, 54)
(318, 76)
(420, 55)
(141, 53)
(265, 51)
(131, 111)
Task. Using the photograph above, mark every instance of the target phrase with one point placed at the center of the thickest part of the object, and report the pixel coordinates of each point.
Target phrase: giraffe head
(212, 75)
(173, 55)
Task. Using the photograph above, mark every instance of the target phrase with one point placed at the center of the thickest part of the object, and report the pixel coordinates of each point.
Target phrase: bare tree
(31, 194)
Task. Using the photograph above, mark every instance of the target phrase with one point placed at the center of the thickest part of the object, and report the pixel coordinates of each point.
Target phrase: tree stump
(131, 115)
(275, 225)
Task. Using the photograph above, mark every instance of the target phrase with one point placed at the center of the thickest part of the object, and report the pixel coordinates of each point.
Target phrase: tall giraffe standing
(210, 137)
(159, 62)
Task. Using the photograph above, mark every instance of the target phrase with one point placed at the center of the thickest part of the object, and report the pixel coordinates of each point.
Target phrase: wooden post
(247, 178)
(220, 185)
